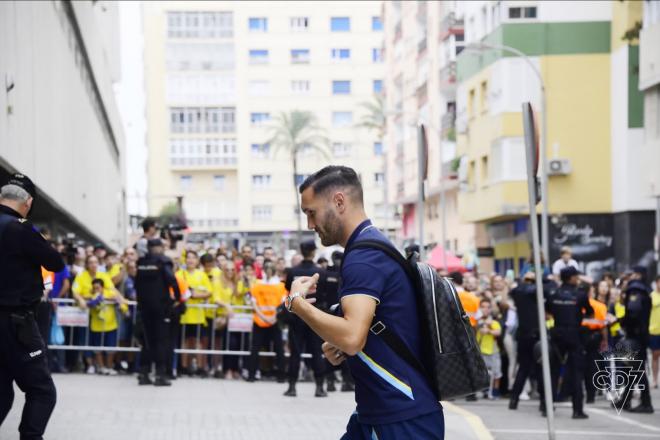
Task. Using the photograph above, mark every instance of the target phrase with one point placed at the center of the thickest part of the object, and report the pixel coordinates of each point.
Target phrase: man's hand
(334, 355)
(305, 286)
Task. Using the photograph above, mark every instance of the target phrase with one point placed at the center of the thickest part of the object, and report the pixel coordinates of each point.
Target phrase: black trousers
(527, 367)
(641, 346)
(570, 347)
(264, 336)
(156, 344)
(592, 340)
(301, 339)
(23, 360)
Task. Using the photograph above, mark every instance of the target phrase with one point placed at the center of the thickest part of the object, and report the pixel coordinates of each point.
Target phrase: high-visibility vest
(48, 278)
(184, 288)
(599, 320)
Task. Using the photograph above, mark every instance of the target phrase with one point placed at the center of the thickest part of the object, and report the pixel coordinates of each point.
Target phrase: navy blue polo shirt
(387, 389)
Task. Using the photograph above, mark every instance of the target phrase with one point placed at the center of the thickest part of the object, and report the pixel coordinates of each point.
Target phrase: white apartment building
(59, 123)
(649, 83)
(422, 40)
(217, 75)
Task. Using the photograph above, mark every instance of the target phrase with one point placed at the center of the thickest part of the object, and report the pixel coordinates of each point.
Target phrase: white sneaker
(103, 371)
(91, 370)
(111, 372)
(524, 396)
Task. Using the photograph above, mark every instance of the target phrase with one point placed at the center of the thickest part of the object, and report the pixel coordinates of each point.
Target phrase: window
(219, 182)
(210, 151)
(299, 56)
(187, 55)
(483, 97)
(379, 179)
(300, 87)
(262, 213)
(378, 85)
(259, 88)
(376, 24)
(484, 170)
(377, 55)
(194, 24)
(202, 119)
(471, 103)
(340, 24)
(185, 182)
(298, 24)
(259, 118)
(341, 149)
(258, 24)
(260, 150)
(258, 56)
(525, 12)
(378, 148)
(342, 119)
(341, 87)
(340, 54)
(261, 181)
(300, 178)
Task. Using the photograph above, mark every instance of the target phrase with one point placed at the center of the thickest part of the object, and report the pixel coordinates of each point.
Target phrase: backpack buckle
(377, 328)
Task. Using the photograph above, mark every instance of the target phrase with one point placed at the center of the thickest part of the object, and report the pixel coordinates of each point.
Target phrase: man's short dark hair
(321, 260)
(98, 281)
(333, 177)
(148, 223)
(456, 277)
(206, 259)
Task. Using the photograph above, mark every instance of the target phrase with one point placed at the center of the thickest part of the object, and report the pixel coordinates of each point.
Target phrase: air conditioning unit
(559, 167)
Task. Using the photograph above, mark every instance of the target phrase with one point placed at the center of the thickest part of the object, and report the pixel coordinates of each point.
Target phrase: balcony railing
(204, 161)
(448, 75)
(450, 25)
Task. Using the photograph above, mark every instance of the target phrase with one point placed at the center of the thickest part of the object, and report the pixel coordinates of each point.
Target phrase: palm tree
(375, 119)
(293, 132)
(375, 116)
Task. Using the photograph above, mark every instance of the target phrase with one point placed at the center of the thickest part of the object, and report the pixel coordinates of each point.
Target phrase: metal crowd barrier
(75, 323)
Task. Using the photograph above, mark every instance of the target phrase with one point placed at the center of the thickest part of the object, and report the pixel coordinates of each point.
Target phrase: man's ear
(339, 200)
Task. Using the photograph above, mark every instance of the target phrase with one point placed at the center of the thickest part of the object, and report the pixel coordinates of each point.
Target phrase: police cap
(23, 181)
(307, 246)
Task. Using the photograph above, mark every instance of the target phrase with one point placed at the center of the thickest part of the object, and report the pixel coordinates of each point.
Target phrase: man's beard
(330, 233)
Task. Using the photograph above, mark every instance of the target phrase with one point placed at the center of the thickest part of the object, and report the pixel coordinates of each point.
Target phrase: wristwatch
(288, 302)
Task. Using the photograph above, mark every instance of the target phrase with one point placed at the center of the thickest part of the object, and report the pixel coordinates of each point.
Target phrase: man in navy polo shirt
(394, 401)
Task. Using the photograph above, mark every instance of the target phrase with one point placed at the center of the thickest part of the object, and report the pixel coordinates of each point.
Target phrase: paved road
(110, 408)
(603, 424)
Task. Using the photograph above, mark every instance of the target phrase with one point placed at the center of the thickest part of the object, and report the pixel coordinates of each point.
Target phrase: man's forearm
(335, 330)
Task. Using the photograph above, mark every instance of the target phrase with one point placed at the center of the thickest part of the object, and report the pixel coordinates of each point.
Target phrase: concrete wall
(59, 124)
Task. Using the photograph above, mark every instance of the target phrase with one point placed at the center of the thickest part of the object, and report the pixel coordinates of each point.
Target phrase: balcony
(397, 32)
(421, 93)
(450, 25)
(204, 161)
(448, 125)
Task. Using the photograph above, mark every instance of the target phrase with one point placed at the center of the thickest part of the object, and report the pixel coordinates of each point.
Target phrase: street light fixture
(543, 168)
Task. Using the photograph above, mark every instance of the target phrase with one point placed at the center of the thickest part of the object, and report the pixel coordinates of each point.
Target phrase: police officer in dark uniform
(155, 277)
(568, 306)
(527, 335)
(22, 350)
(333, 282)
(300, 335)
(635, 324)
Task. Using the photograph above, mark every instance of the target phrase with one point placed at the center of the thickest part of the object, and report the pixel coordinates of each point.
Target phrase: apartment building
(422, 41)
(599, 192)
(217, 76)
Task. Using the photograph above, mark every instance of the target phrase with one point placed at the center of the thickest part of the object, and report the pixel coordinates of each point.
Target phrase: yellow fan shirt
(104, 316)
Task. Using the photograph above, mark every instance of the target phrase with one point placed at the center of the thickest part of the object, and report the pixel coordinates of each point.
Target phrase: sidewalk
(110, 408)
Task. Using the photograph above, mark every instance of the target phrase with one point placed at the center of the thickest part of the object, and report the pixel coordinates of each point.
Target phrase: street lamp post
(543, 168)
